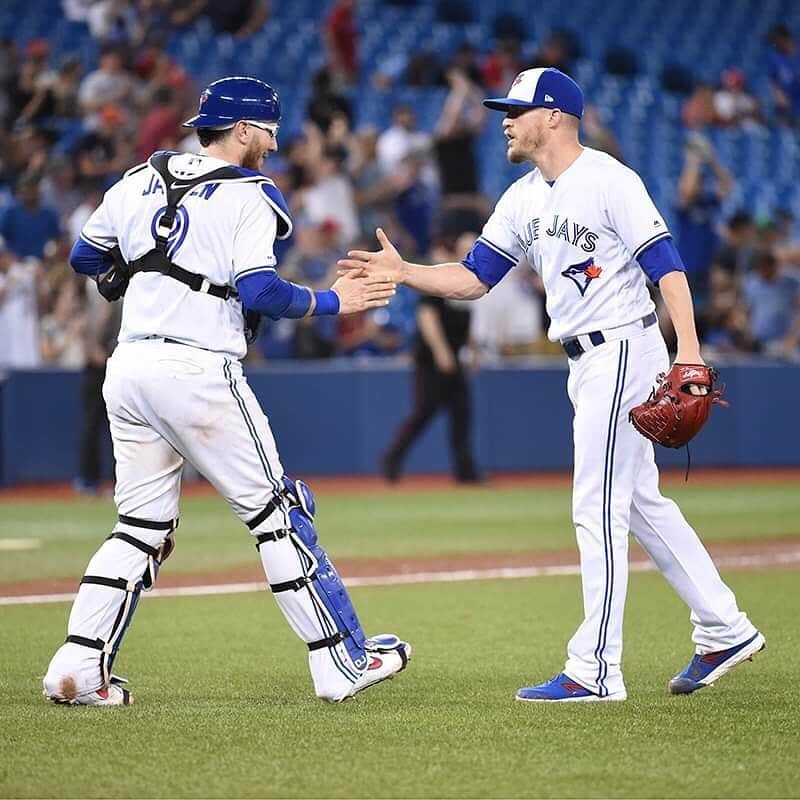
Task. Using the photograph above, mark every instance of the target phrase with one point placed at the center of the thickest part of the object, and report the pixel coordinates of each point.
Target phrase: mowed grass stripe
(384, 524)
(224, 705)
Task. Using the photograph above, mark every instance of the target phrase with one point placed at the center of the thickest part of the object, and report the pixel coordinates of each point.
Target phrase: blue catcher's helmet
(226, 101)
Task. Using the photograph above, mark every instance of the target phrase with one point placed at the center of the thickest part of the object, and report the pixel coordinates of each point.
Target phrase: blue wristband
(327, 303)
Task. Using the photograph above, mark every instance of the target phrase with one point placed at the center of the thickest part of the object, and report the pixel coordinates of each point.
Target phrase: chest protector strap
(156, 260)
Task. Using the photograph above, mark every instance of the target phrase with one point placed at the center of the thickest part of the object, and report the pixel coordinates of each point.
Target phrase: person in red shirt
(341, 41)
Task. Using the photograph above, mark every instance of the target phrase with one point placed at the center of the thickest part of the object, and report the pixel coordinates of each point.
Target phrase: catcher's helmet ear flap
(226, 101)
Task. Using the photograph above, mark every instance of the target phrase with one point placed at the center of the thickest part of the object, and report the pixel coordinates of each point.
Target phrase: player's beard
(525, 149)
(253, 156)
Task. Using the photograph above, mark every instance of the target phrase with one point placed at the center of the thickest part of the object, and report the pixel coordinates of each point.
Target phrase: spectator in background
(558, 50)
(62, 329)
(109, 84)
(698, 109)
(440, 381)
(19, 313)
(784, 73)
(772, 296)
(374, 189)
(509, 322)
(728, 320)
(702, 187)
(502, 64)
(64, 92)
(29, 153)
(160, 128)
(327, 103)
(414, 203)
(733, 104)
(104, 153)
(312, 262)
(459, 124)
(738, 241)
(368, 333)
(400, 139)
(330, 197)
(26, 225)
(242, 18)
(597, 135)
(341, 42)
(33, 80)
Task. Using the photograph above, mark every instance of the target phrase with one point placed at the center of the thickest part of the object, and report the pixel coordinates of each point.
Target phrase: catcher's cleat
(704, 669)
(563, 689)
(387, 656)
(111, 695)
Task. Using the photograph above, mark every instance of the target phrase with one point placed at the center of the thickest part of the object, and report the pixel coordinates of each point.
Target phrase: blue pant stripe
(251, 428)
(607, 532)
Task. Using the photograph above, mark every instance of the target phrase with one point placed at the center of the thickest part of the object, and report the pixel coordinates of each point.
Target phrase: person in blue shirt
(703, 185)
(784, 73)
(26, 225)
(773, 298)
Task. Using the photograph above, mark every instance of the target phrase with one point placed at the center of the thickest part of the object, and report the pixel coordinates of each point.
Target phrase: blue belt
(574, 349)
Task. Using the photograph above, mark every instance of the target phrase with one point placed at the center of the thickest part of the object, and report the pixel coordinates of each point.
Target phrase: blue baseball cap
(226, 101)
(543, 87)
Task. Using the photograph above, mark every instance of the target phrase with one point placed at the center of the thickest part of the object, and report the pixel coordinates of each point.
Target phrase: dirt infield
(761, 555)
(415, 483)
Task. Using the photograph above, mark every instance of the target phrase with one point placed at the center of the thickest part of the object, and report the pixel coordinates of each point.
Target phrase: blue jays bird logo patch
(583, 274)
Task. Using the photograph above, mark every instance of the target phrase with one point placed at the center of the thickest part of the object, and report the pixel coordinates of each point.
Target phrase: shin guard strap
(265, 512)
(331, 641)
(134, 542)
(112, 583)
(270, 536)
(95, 644)
(148, 524)
(293, 586)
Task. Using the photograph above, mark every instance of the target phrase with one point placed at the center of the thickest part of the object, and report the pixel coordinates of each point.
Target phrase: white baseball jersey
(222, 230)
(582, 233)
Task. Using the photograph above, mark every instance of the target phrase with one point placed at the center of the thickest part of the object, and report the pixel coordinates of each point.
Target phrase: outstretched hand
(358, 291)
(386, 262)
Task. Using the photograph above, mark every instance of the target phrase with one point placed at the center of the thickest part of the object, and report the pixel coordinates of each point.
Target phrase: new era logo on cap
(541, 87)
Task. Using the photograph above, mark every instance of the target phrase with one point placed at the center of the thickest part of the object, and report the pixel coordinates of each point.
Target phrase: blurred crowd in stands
(66, 134)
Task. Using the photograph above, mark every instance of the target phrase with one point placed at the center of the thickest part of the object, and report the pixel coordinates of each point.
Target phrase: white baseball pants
(615, 491)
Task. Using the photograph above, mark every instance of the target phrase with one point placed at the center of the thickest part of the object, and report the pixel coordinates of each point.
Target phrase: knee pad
(307, 586)
(126, 564)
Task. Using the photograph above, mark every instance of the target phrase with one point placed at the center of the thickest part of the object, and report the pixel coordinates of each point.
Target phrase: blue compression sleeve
(272, 296)
(88, 260)
(660, 258)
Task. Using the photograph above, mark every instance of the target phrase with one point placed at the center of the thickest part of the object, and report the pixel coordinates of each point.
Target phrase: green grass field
(224, 705)
(382, 523)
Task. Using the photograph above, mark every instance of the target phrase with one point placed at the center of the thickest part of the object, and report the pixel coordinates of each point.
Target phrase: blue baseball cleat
(563, 689)
(703, 670)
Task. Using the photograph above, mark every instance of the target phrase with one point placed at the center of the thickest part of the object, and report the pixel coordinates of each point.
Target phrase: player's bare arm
(451, 279)
(678, 300)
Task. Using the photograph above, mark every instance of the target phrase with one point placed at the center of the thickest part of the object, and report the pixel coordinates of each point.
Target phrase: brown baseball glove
(679, 405)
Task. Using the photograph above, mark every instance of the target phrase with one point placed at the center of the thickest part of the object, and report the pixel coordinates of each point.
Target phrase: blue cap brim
(504, 103)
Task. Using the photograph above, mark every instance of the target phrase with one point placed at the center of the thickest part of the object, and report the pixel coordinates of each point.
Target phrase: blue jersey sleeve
(276, 298)
(660, 258)
(89, 260)
(488, 262)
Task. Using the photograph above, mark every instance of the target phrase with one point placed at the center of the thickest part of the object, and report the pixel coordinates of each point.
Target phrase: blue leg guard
(343, 621)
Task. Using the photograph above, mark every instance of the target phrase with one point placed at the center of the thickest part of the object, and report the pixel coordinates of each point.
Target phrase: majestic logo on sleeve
(583, 274)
